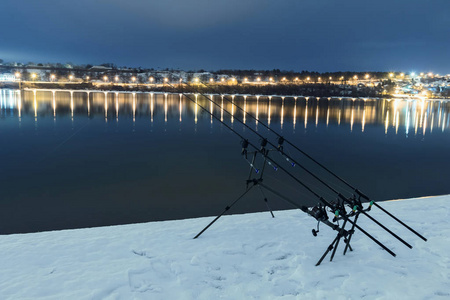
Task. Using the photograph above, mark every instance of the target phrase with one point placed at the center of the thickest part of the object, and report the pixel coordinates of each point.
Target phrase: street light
(151, 79)
(33, 76)
(196, 80)
(17, 74)
(211, 80)
(105, 78)
(367, 76)
(87, 77)
(116, 78)
(52, 77)
(70, 77)
(133, 79)
(258, 79)
(307, 78)
(166, 79)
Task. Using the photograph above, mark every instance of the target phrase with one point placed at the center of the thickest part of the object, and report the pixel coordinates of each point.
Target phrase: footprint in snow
(265, 245)
(139, 281)
(141, 253)
(284, 256)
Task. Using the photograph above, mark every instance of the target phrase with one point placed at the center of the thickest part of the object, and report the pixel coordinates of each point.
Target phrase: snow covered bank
(248, 256)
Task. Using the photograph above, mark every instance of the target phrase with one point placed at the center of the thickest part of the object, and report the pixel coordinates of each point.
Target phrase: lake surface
(73, 159)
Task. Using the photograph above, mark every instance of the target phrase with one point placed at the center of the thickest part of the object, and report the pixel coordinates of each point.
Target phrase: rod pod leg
(330, 247)
(339, 238)
(226, 209)
(352, 231)
(267, 203)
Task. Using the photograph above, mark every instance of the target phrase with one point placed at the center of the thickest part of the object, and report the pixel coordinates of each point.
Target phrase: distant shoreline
(313, 90)
(308, 90)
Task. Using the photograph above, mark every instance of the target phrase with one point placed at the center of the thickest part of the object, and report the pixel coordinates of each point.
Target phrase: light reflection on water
(419, 115)
(77, 159)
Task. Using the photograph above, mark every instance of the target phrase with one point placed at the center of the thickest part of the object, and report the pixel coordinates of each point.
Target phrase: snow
(250, 256)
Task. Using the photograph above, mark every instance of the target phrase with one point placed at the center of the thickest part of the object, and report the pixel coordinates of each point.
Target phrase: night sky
(319, 35)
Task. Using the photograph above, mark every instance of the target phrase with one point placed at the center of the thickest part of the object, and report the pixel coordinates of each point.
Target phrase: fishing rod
(280, 149)
(318, 212)
(361, 194)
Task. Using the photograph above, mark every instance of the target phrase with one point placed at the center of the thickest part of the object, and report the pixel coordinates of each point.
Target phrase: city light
(400, 78)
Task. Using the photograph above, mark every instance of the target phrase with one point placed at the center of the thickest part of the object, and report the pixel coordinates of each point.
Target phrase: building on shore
(8, 77)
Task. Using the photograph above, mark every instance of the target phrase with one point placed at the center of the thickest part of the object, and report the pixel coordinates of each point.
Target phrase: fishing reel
(355, 204)
(320, 214)
(338, 209)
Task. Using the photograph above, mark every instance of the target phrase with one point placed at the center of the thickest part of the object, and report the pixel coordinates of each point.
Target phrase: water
(69, 161)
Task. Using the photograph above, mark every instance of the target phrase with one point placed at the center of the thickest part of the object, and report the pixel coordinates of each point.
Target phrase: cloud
(188, 15)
